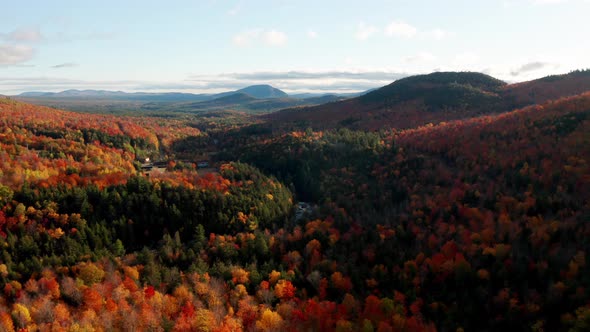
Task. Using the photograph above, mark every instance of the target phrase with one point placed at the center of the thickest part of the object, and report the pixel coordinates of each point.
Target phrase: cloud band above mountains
(294, 81)
(290, 81)
(350, 81)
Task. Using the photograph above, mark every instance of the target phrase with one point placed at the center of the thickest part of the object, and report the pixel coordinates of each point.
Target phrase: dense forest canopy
(473, 222)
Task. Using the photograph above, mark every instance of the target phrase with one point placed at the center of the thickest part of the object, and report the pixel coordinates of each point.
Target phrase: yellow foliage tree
(269, 321)
(21, 315)
(205, 320)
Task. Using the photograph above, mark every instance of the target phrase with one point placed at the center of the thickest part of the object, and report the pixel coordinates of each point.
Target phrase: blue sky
(298, 46)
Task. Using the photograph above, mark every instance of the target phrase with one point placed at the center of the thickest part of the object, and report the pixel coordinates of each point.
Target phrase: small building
(147, 167)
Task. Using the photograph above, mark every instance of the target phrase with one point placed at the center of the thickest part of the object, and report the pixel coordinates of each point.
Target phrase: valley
(449, 201)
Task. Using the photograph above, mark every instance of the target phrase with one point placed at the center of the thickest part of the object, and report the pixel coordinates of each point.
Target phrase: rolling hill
(432, 98)
(439, 91)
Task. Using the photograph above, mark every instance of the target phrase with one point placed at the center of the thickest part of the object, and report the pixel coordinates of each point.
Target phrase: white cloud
(364, 31)
(299, 80)
(246, 38)
(30, 34)
(253, 36)
(438, 34)
(330, 81)
(400, 29)
(275, 38)
(306, 80)
(420, 58)
(15, 54)
(312, 34)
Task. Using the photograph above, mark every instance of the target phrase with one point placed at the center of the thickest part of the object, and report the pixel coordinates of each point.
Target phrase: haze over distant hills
(263, 91)
(255, 98)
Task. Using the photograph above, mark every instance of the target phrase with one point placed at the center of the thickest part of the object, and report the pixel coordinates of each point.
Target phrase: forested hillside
(473, 224)
(477, 218)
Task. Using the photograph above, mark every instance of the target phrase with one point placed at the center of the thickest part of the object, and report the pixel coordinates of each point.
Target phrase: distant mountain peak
(263, 91)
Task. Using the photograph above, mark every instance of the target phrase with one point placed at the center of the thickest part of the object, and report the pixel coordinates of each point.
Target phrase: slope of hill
(547, 88)
(432, 98)
(405, 103)
(439, 91)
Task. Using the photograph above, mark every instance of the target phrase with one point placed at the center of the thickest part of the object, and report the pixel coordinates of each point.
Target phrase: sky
(208, 46)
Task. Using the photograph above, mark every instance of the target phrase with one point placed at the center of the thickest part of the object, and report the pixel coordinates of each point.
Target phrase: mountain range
(405, 103)
(256, 91)
(252, 99)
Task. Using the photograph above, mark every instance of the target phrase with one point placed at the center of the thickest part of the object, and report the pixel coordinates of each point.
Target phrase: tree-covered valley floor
(477, 224)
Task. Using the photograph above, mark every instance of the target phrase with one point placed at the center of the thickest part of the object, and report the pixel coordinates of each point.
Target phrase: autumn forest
(441, 202)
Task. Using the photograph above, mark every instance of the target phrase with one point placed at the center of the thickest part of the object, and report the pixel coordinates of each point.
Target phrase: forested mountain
(432, 98)
(263, 91)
